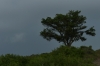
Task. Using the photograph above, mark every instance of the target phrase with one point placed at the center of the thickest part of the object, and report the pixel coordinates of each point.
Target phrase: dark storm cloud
(20, 23)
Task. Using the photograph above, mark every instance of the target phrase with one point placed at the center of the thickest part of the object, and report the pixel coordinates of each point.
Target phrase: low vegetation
(62, 56)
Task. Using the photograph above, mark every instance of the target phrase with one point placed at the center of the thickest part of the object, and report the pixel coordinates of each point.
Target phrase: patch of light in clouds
(17, 37)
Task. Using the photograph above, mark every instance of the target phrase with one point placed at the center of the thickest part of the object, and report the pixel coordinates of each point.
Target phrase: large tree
(66, 28)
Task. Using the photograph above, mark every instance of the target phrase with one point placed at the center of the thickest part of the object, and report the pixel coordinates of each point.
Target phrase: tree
(66, 28)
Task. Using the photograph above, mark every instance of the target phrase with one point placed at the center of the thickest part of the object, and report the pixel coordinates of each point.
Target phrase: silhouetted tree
(66, 28)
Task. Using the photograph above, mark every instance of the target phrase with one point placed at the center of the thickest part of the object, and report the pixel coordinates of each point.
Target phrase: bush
(62, 56)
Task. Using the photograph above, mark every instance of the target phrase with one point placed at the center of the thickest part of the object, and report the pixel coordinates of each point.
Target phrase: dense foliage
(66, 28)
(62, 56)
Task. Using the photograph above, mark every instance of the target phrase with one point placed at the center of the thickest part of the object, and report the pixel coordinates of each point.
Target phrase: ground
(97, 62)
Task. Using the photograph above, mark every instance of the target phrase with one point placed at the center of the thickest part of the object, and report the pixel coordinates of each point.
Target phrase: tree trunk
(69, 44)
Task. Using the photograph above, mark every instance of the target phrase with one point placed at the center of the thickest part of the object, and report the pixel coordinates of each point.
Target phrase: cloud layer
(20, 23)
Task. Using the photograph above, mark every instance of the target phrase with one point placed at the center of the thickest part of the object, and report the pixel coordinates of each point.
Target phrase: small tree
(66, 28)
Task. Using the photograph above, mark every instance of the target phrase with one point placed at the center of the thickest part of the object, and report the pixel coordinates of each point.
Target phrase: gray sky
(20, 24)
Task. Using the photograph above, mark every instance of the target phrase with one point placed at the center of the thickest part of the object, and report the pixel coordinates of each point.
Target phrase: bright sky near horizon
(20, 24)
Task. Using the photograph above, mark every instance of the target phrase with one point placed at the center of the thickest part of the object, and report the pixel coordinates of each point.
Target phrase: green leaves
(12, 60)
(61, 56)
(91, 31)
(66, 28)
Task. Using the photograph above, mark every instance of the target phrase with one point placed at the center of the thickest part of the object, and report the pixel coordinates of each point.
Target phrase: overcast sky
(20, 24)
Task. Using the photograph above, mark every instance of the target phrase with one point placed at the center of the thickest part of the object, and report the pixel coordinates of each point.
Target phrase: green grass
(62, 56)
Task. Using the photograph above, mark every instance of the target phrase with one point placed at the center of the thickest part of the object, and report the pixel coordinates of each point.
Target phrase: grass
(62, 56)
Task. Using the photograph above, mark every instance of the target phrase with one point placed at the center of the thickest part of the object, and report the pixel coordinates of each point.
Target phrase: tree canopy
(66, 28)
